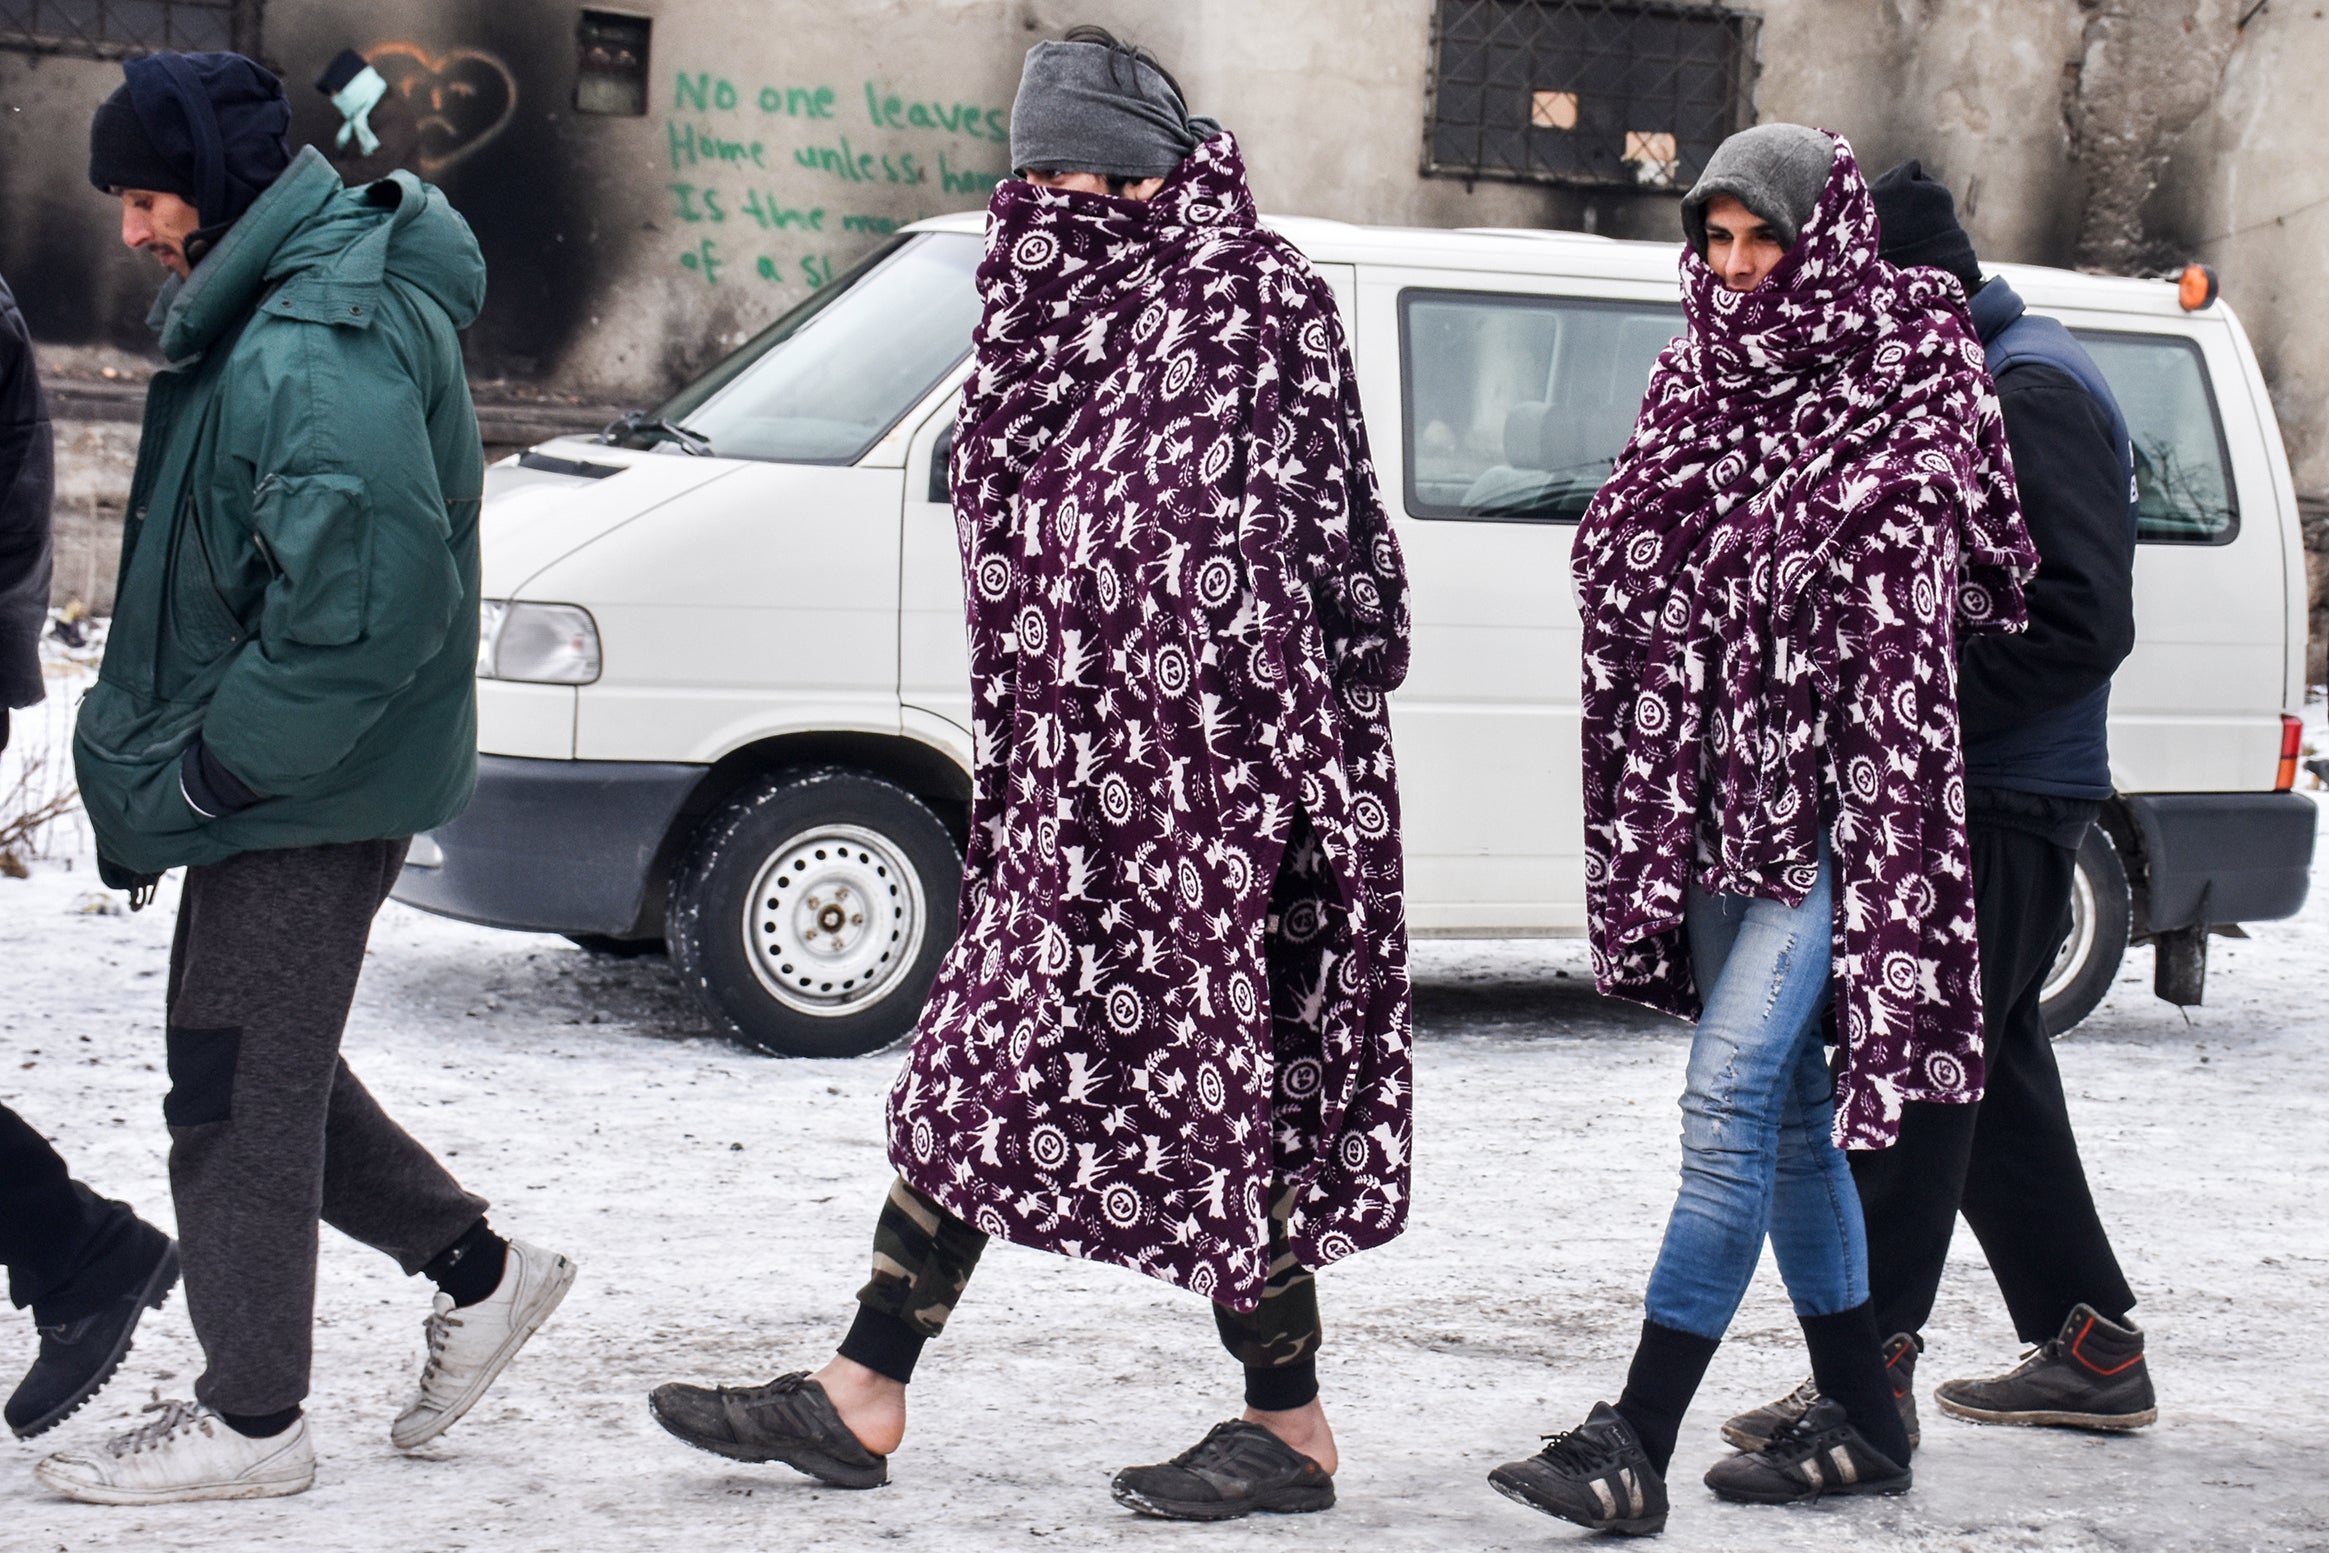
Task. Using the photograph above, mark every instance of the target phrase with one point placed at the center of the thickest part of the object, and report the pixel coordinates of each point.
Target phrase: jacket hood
(318, 250)
(1994, 306)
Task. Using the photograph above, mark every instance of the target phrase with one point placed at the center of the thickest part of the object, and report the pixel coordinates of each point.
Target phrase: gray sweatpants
(269, 1131)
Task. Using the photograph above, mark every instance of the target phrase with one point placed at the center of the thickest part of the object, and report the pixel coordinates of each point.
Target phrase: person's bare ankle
(871, 1404)
(1304, 1428)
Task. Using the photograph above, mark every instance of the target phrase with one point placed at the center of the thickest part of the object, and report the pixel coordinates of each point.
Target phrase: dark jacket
(2034, 704)
(295, 632)
(27, 480)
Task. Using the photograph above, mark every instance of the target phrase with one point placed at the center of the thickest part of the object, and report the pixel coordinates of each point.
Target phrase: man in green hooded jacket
(287, 696)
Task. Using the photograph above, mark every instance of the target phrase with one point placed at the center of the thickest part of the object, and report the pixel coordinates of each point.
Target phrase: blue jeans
(1757, 1151)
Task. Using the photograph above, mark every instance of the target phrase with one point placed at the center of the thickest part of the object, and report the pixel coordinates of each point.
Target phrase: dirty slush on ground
(721, 1207)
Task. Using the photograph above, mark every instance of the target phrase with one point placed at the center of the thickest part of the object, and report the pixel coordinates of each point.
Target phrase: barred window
(122, 29)
(1599, 93)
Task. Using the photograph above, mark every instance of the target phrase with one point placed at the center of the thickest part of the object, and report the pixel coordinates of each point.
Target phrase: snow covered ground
(721, 1204)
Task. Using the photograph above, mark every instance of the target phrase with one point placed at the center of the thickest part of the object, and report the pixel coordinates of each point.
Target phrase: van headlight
(542, 644)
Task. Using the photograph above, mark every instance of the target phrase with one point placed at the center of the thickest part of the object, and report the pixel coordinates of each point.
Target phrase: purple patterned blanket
(1816, 501)
(1182, 974)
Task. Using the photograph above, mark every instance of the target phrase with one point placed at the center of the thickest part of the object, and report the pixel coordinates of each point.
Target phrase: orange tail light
(2292, 744)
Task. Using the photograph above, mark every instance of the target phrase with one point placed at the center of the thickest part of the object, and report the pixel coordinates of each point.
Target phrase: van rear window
(1517, 406)
(2183, 478)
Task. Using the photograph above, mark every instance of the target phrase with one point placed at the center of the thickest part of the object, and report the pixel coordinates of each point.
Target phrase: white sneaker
(187, 1453)
(470, 1344)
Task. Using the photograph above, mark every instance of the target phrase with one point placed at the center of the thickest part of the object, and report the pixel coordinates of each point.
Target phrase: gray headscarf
(1088, 108)
(1775, 170)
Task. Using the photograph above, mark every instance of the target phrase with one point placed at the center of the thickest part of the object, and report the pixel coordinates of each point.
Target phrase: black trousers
(69, 1252)
(2011, 1162)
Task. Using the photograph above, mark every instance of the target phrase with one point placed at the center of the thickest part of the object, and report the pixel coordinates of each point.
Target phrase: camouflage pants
(923, 1257)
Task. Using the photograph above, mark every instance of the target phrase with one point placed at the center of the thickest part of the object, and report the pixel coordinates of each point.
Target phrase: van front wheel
(810, 914)
(2100, 916)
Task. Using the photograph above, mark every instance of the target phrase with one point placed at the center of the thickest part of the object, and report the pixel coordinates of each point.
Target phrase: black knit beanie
(122, 156)
(210, 128)
(1916, 218)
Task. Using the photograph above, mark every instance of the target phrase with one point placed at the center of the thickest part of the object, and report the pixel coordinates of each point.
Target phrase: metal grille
(121, 29)
(1600, 93)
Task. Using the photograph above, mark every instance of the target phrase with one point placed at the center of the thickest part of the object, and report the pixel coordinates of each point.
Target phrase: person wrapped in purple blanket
(1816, 504)
(1174, 1032)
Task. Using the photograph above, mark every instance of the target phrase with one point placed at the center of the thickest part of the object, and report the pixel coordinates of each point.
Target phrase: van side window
(2183, 478)
(1517, 406)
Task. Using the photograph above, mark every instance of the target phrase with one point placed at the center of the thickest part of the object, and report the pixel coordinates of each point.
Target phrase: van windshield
(826, 381)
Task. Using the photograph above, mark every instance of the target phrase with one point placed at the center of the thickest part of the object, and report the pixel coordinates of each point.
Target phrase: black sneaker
(1817, 1455)
(1753, 1429)
(1596, 1474)
(789, 1420)
(1236, 1469)
(78, 1357)
(2091, 1376)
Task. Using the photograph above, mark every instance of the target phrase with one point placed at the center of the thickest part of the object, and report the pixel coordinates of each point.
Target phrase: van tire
(768, 978)
(2102, 911)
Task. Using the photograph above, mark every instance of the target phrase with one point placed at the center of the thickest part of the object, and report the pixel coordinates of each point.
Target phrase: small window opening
(610, 69)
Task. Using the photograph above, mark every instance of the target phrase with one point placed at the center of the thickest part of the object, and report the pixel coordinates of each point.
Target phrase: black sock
(260, 1426)
(1667, 1367)
(883, 1343)
(1847, 1360)
(1284, 1387)
(470, 1268)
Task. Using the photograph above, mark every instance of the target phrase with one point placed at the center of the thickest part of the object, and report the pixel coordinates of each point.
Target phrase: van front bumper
(552, 846)
(2213, 858)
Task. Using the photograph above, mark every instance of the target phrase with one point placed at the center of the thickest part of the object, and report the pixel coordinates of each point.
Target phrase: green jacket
(299, 564)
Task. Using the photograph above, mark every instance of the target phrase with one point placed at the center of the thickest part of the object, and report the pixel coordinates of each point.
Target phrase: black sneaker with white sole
(2091, 1375)
(1753, 1429)
(1596, 1475)
(1238, 1468)
(1818, 1455)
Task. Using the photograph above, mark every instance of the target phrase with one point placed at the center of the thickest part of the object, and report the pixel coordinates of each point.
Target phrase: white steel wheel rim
(2078, 948)
(834, 920)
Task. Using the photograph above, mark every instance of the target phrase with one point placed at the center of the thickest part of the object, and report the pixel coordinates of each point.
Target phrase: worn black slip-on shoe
(1236, 1469)
(789, 1420)
(1818, 1455)
(1596, 1475)
(2089, 1376)
(78, 1357)
(1753, 1429)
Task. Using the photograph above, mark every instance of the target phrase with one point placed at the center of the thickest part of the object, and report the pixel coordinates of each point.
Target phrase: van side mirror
(941, 455)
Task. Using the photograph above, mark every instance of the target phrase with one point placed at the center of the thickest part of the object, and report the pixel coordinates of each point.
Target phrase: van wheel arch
(927, 773)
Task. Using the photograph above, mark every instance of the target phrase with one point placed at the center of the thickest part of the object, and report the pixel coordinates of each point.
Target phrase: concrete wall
(784, 136)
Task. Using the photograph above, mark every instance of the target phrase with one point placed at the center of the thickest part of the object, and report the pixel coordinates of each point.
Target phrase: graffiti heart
(462, 97)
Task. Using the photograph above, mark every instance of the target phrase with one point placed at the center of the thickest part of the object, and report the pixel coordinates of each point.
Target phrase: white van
(723, 695)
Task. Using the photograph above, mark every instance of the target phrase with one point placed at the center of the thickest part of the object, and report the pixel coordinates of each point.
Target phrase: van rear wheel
(2101, 912)
(810, 914)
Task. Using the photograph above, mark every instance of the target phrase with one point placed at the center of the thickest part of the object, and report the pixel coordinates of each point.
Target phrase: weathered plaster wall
(1972, 88)
(59, 246)
(784, 137)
